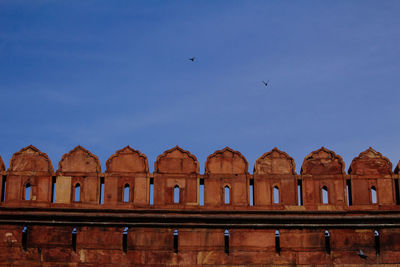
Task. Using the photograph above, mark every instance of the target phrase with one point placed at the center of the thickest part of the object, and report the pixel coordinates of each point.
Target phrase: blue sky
(106, 74)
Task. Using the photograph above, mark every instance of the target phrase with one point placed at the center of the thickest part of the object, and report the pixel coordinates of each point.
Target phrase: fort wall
(79, 215)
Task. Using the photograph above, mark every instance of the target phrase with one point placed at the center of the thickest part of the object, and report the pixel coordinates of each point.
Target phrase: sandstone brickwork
(226, 216)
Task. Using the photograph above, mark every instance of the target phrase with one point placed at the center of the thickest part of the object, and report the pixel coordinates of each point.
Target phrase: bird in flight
(362, 255)
(192, 59)
(265, 83)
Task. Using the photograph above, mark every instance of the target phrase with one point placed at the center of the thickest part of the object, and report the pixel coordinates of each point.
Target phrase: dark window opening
(28, 192)
(226, 241)
(53, 189)
(300, 192)
(397, 191)
(151, 193)
(125, 240)
(201, 192)
(227, 198)
(374, 199)
(176, 194)
(176, 241)
(327, 242)
(276, 195)
(101, 200)
(126, 193)
(3, 188)
(377, 242)
(251, 189)
(25, 238)
(277, 242)
(349, 194)
(325, 196)
(77, 195)
(74, 239)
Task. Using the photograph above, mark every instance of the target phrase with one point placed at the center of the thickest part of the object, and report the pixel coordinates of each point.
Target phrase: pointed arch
(176, 160)
(30, 159)
(370, 162)
(80, 160)
(323, 162)
(226, 161)
(127, 160)
(275, 162)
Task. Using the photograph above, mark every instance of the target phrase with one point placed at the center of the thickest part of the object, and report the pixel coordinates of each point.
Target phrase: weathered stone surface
(176, 160)
(127, 160)
(79, 160)
(275, 162)
(370, 162)
(322, 162)
(30, 159)
(201, 239)
(226, 161)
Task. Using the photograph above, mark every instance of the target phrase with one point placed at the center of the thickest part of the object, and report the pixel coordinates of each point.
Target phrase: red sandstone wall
(203, 243)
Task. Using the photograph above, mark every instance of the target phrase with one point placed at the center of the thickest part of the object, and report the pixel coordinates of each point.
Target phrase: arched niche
(176, 160)
(226, 161)
(127, 160)
(30, 159)
(323, 162)
(2, 166)
(275, 162)
(79, 160)
(370, 162)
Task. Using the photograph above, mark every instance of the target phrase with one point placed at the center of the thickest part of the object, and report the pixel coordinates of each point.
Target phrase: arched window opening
(101, 200)
(377, 242)
(277, 242)
(373, 195)
(176, 194)
(276, 195)
(226, 239)
(299, 192)
(126, 193)
(151, 191)
(325, 197)
(3, 188)
(176, 241)
(77, 195)
(25, 238)
(327, 242)
(251, 189)
(74, 239)
(227, 198)
(201, 192)
(28, 192)
(53, 189)
(125, 240)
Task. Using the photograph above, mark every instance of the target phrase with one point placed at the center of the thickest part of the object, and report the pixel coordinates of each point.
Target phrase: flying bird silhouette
(362, 255)
(192, 59)
(265, 83)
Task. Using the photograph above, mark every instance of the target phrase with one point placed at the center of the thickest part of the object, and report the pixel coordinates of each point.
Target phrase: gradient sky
(106, 74)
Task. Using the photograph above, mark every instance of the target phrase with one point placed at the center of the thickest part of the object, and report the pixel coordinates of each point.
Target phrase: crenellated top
(176, 161)
(2, 166)
(30, 159)
(323, 162)
(275, 162)
(127, 160)
(79, 160)
(370, 162)
(226, 161)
